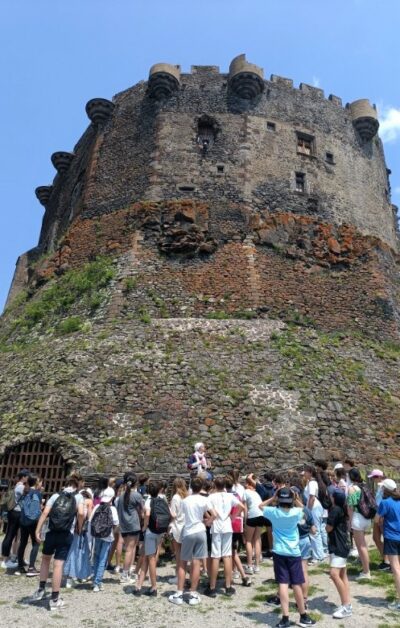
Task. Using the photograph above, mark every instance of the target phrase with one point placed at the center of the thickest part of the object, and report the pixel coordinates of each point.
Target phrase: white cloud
(315, 81)
(389, 128)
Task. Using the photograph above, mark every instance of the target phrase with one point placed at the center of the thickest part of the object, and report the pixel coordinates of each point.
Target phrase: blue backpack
(30, 509)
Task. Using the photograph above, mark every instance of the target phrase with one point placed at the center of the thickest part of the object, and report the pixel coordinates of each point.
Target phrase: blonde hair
(179, 486)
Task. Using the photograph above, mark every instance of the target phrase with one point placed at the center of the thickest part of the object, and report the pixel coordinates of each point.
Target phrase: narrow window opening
(186, 188)
(206, 133)
(220, 169)
(329, 158)
(300, 181)
(271, 126)
(305, 144)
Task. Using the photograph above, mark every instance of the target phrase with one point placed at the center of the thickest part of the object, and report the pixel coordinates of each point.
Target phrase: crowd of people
(299, 518)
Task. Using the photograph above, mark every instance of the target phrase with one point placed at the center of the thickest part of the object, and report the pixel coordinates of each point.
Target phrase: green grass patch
(69, 325)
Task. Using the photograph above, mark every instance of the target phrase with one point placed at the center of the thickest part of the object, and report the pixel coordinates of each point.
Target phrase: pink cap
(376, 473)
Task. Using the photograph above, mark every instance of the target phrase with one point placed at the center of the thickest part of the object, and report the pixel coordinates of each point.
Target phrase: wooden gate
(40, 459)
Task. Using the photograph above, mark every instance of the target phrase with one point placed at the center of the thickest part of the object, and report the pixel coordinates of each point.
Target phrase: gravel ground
(116, 606)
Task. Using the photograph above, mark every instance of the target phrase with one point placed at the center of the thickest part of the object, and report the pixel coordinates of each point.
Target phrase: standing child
(180, 493)
(103, 521)
(30, 513)
(285, 518)
(389, 512)
(339, 548)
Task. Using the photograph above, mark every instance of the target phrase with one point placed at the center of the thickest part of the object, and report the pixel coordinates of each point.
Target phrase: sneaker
(173, 580)
(249, 570)
(384, 566)
(110, 567)
(313, 561)
(210, 592)
(151, 592)
(364, 576)
(56, 605)
(21, 571)
(394, 606)
(69, 583)
(137, 592)
(11, 564)
(176, 598)
(193, 599)
(32, 571)
(306, 621)
(96, 588)
(343, 611)
(236, 575)
(256, 570)
(117, 569)
(38, 595)
(125, 579)
(353, 553)
(246, 582)
(274, 600)
(284, 623)
(3, 564)
(230, 591)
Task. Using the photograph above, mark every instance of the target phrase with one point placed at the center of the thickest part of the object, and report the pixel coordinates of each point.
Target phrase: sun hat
(338, 465)
(376, 473)
(107, 495)
(389, 484)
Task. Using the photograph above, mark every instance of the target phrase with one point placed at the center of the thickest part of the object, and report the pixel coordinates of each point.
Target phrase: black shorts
(391, 547)
(288, 569)
(125, 534)
(267, 523)
(256, 522)
(237, 539)
(57, 543)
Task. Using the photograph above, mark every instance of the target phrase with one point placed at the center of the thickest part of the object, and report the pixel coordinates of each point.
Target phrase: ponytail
(130, 480)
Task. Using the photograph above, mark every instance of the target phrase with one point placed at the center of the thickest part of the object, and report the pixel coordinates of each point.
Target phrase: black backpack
(63, 511)
(160, 516)
(367, 504)
(101, 524)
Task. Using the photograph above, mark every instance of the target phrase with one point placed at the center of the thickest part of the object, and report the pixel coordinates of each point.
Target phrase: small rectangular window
(305, 144)
(300, 182)
(329, 158)
(220, 169)
(271, 126)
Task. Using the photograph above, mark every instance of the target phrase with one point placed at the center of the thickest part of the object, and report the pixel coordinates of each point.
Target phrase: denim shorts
(305, 547)
(391, 547)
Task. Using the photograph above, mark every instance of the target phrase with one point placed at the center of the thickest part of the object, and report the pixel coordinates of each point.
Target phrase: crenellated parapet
(246, 79)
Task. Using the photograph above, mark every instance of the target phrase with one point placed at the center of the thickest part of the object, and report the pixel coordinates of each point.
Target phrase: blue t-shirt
(389, 509)
(284, 529)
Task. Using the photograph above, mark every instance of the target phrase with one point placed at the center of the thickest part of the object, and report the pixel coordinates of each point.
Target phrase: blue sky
(57, 54)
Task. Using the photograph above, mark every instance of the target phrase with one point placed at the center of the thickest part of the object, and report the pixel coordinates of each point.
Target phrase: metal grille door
(39, 458)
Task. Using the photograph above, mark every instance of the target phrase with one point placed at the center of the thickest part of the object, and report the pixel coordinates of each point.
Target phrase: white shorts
(359, 522)
(221, 544)
(337, 561)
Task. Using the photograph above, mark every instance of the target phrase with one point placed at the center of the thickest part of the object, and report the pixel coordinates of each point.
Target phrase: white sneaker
(249, 570)
(176, 598)
(343, 611)
(11, 564)
(236, 575)
(38, 595)
(256, 570)
(173, 580)
(364, 576)
(193, 599)
(117, 569)
(353, 553)
(69, 583)
(125, 579)
(96, 588)
(55, 606)
(3, 564)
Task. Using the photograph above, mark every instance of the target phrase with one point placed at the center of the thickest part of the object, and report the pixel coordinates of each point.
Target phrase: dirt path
(116, 606)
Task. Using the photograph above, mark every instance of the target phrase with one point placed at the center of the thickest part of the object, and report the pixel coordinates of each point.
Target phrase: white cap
(107, 495)
(338, 465)
(389, 484)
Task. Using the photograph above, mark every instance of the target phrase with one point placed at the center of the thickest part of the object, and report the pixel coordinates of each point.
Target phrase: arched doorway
(39, 458)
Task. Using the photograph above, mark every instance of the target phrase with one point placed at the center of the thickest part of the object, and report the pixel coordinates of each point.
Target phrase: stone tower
(218, 259)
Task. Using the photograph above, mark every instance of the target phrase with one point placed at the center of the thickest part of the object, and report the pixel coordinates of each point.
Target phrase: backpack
(160, 516)
(367, 505)
(63, 512)
(8, 501)
(101, 524)
(30, 509)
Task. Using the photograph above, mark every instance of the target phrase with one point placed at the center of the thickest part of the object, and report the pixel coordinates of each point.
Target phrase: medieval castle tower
(219, 260)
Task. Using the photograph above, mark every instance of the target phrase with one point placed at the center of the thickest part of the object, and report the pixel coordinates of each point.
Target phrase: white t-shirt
(222, 503)
(114, 514)
(179, 518)
(194, 507)
(239, 489)
(252, 500)
(310, 490)
(78, 498)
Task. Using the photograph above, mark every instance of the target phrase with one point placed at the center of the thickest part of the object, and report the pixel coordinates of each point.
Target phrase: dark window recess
(300, 182)
(271, 126)
(220, 169)
(206, 132)
(186, 188)
(329, 158)
(305, 144)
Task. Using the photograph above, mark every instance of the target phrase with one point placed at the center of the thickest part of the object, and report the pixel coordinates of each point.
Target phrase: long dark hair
(355, 476)
(339, 499)
(130, 480)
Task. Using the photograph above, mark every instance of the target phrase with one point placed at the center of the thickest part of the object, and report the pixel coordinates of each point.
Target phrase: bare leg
(249, 535)
(339, 578)
(214, 572)
(361, 544)
(395, 565)
(129, 552)
(284, 598)
(44, 568)
(177, 552)
(181, 574)
(143, 571)
(227, 570)
(298, 596)
(195, 576)
(306, 583)
(57, 575)
(152, 560)
(377, 537)
(257, 546)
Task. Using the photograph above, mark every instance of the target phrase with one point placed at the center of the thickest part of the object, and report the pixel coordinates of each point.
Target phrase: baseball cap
(376, 473)
(107, 495)
(389, 484)
(284, 496)
(338, 466)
